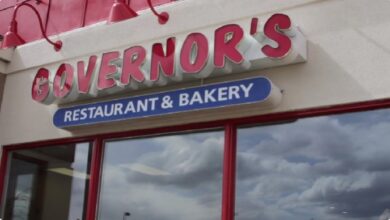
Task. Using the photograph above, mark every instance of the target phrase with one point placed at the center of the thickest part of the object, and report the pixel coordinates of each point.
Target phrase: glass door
(48, 183)
(26, 174)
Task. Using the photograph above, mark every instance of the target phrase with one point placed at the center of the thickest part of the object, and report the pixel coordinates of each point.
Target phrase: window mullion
(97, 152)
(229, 172)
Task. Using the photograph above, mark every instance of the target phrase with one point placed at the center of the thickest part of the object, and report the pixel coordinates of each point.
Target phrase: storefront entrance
(329, 167)
(48, 182)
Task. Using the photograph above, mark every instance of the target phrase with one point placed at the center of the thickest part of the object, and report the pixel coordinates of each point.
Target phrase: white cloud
(191, 188)
(332, 168)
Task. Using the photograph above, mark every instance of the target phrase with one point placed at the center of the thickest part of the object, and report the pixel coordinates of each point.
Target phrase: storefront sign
(233, 48)
(227, 94)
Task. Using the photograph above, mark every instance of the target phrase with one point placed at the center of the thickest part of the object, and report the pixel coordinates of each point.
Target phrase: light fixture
(13, 39)
(120, 11)
(68, 172)
(163, 17)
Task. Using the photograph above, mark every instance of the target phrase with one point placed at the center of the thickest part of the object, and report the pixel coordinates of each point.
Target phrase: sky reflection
(324, 168)
(163, 178)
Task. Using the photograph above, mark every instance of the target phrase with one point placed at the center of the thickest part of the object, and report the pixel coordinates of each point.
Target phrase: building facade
(224, 110)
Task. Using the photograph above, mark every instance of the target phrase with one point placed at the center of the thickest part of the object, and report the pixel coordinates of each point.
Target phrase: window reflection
(163, 178)
(333, 168)
(48, 183)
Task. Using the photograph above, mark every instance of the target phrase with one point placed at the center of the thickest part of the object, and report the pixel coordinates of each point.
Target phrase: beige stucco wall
(348, 60)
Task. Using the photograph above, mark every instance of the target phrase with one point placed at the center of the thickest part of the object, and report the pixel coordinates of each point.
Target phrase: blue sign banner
(197, 98)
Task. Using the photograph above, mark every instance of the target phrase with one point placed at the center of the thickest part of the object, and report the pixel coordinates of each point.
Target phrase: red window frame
(230, 147)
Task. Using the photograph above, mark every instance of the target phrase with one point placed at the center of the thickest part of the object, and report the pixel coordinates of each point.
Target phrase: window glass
(324, 168)
(48, 183)
(163, 178)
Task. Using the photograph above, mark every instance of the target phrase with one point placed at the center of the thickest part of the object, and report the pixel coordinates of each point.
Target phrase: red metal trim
(229, 173)
(163, 17)
(267, 118)
(97, 155)
(46, 143)
(317, 111)
(13, 6)
(57, 45)
(3, 172)
(47, 15)
(84, 13)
